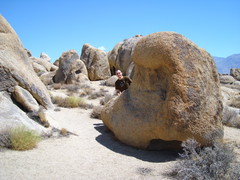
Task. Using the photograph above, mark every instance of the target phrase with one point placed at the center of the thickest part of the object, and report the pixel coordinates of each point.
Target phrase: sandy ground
(92, 153)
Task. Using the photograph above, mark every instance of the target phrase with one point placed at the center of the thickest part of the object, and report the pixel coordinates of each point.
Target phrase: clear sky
(55, 26)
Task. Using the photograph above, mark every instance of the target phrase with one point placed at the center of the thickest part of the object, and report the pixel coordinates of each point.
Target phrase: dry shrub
(73, 102)
(23, 139)
(216, 162)
(73, 88)
(102, 92)
(230, 118)
(106, 99)
(57, 86)
(69, 102)
(96, 112)
(63, 132)
(235, 102)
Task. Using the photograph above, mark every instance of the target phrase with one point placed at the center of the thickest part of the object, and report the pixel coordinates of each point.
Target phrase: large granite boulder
(12, 116)
(96, 62)
(16, 67)
(174, 95)
(120, 57)
(71, 68)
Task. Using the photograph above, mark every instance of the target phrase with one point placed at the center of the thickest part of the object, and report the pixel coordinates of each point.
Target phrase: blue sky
(55, 26)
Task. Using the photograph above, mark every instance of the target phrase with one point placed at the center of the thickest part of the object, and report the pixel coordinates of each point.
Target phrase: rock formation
(121, 56)
(11, 116)
(71, 69)
(96, 62)
(16, 68)
(18, 81)
(174, 95)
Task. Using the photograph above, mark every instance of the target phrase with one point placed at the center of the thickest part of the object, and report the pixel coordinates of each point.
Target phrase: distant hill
(225, 64)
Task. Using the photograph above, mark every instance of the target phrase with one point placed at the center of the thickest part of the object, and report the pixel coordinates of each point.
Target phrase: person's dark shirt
(123, 84)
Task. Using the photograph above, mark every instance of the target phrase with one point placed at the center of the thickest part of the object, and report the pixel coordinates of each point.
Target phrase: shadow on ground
(108, 140)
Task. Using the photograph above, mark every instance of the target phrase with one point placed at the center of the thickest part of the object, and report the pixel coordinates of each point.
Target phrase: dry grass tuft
(69, 102)
(64, 132)
(23, 139)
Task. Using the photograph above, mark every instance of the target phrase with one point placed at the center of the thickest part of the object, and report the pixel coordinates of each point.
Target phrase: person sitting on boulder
(122, 83)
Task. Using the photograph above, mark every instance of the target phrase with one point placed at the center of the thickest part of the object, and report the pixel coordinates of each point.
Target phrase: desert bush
(22, 138)
(73, 101)
(96, 112)
(102, 92)
(210, 163)
(106, 99)
(57, 86)
(73, 88)
(235, 102)
(230, 118)
(69, 102)
(63, 132)
(86, 91)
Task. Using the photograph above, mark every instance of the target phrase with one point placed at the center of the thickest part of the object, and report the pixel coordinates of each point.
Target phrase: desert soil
(92, 153)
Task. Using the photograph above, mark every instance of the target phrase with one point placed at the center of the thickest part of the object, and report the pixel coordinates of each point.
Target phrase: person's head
(119, 74)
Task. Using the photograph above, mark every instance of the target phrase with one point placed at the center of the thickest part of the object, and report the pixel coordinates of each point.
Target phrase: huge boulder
(16, 67)
(174, 95)
(70, 68)
(121, 56)
(96, 62)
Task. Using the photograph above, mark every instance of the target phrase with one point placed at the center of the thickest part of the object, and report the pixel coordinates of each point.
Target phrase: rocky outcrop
(41, 65)
(96, 62)
(121, 56)
(235, 72)
(16, 68)
(174, 95)
(44, 56)
(11, 116)
(71, 68)
(26, 100)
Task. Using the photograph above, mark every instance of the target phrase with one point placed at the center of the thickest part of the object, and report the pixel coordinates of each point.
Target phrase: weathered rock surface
(12, 116)
(96, 62)
(226, 79)
(70, 68)
(111, 81)
(25, 99)
(16, 66)
(121, 56)
(235, 72)
(174, 95)
(44, 56)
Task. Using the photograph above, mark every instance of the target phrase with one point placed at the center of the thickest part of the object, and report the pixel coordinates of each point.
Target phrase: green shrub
(22, 138)
(210, 163)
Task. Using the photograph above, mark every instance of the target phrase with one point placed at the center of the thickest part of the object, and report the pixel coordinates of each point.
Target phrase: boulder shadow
(107, 139)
